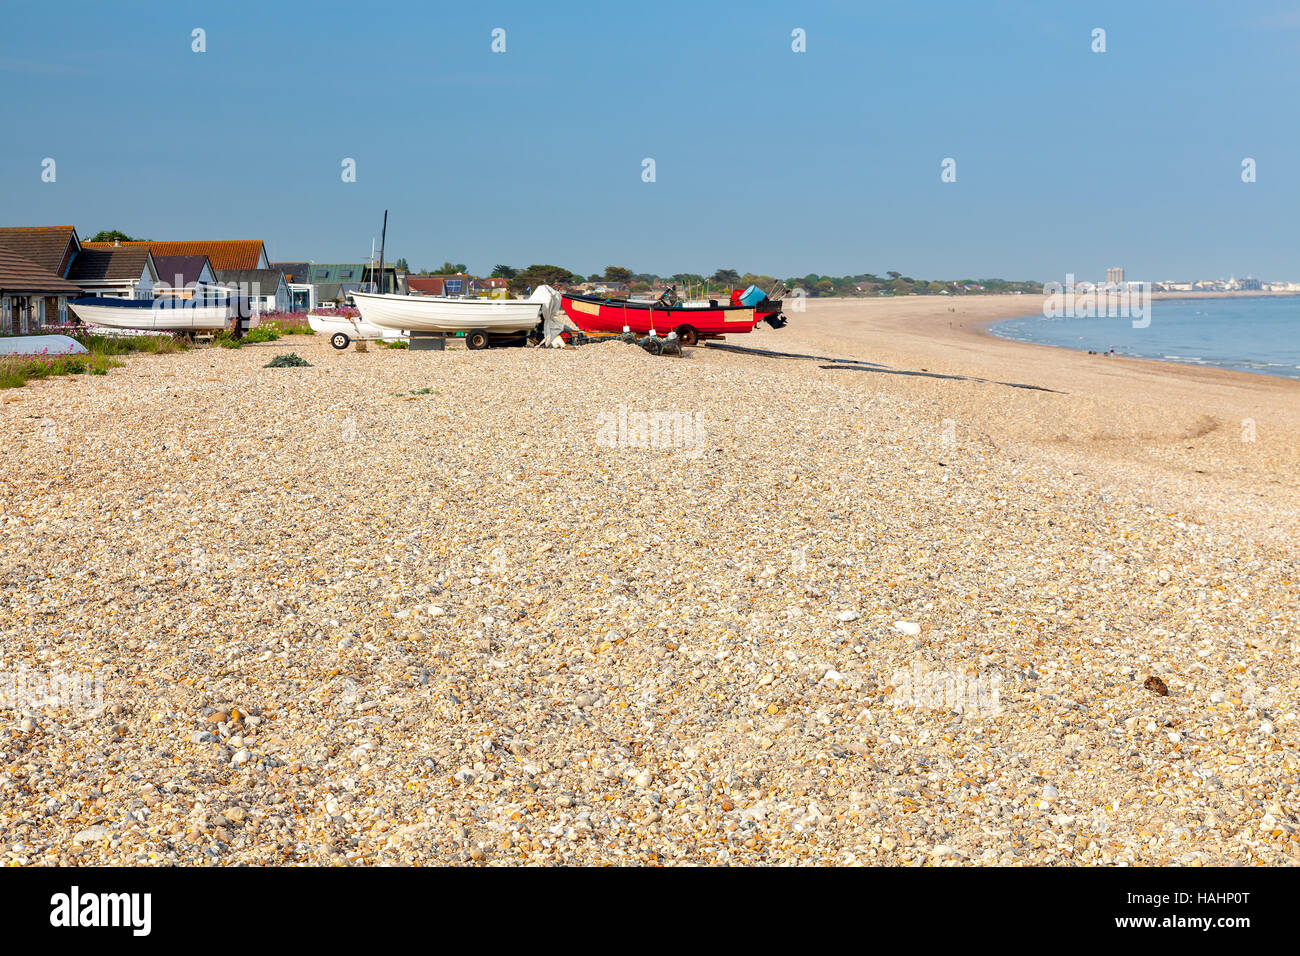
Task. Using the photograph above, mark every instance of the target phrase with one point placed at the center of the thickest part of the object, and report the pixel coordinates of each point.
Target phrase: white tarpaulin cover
(41, 345)
(554, 321)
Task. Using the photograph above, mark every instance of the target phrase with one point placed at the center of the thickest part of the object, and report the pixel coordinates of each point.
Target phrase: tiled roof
(222, 253)
(43, 245)
(266, 281)
(296, 272)
(124, 262)
(426, 284)
(434, 285)
(22, 276)
(189, 268)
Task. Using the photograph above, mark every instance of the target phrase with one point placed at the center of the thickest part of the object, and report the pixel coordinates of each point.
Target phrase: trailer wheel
(340, 340)
(477, 339)
(687, 334)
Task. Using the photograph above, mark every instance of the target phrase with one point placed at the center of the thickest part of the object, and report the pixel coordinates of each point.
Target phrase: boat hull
(353, 328)
(159, 315)
(593, 314)
(437, 314)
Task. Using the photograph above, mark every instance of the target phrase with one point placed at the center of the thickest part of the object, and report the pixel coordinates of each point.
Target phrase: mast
(383, 238)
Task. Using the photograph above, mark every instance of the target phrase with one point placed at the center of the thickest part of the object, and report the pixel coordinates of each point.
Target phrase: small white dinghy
(41, 345)
(342, 330)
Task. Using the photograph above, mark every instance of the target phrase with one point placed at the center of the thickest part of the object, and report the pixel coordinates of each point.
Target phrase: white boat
(162, 314)
(478, 318)
(342, 330)
(40, 345)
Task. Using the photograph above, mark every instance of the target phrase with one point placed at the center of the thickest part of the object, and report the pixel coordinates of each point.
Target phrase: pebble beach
(909, 595)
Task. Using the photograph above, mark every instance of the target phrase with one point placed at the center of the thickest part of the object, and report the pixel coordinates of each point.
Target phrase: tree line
(722, 281)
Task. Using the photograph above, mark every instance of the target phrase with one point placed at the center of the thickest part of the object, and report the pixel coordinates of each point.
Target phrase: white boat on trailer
(164, 314)
(481, 320)
(343, 330)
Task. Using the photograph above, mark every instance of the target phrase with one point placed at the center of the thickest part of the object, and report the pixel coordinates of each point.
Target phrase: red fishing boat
(692, 323)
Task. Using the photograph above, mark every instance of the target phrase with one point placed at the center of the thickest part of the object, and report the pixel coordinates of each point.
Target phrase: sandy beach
(922, 596)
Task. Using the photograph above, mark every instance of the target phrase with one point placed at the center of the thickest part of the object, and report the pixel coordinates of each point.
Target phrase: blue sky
(766, 159)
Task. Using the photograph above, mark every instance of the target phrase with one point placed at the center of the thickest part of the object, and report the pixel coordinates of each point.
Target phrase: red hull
(596, 315)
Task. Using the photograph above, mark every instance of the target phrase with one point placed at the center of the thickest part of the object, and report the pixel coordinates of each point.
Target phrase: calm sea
(1252, 335)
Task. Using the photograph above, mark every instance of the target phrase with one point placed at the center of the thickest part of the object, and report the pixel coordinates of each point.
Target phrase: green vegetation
(288, 323)
(103, 349)
(123, 344)
(113, 235)
(720, 283)
(17, 370)
(397, 344)
(288, 360)
(263, 333)
(536, 275)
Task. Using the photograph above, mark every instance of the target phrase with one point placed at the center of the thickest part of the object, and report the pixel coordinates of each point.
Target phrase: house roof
(21, 275)
(337, 272)
(44, 245)
(266, 281)
(294, 271)
(435, 285)
(95, 264)
(189, 268)
(426, 284)
(222, 253)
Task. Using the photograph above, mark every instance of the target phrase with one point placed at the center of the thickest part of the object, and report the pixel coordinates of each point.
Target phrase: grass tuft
(288, 360)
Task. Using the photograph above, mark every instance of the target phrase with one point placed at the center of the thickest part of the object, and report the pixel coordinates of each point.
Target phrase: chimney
(117, 242)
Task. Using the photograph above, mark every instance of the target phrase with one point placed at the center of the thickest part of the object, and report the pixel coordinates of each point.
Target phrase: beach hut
(265, 289)
(122, 272)
(31, 296)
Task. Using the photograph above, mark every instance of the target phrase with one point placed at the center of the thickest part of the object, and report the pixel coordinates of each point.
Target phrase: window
(322, 273)
(345, 274)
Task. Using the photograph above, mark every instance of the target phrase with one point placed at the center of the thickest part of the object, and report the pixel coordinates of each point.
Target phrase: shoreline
(987, 328)
(1197, 438)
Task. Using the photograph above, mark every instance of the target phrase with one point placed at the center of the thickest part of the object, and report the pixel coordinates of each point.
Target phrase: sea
(1259, 335)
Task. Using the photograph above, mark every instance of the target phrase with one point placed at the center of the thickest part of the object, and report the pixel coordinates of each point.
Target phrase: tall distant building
(1115, 276)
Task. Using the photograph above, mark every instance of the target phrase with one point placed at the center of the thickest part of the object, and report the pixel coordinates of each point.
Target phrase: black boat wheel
(687, 335)
(340, 340)
(476, 339)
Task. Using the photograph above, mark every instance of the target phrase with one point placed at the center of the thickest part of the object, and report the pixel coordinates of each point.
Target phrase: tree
(617, 274)
(113, 235)
(727, 277)
(894, 275)
(452, 268)
(504, 272)
(401, 265)
(536, 275)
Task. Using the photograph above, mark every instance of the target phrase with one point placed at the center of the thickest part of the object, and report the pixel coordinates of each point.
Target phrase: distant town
(1115, 278)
